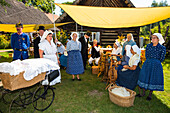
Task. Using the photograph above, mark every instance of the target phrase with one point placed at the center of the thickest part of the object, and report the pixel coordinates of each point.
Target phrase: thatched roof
(19, 12)
(101, 3)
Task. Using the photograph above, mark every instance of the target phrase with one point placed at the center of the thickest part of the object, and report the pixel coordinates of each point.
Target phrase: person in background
(74, 59)
(37, 41)
(20, 43)
(117, 50)
(129, 41)
(151, 76)
(60, 48)
(84, 50)
(128, 76)
(125, 59)
(95, 53)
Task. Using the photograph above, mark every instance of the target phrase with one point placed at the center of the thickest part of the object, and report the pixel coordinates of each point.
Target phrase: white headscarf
(136, 49)
(117, 43)
(131, 36)
(128, 53)
(59, 43)
(159, 35)
(74, 33)
(45, 35)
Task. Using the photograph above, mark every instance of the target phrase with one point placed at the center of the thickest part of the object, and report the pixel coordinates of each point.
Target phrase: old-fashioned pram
(19, 92)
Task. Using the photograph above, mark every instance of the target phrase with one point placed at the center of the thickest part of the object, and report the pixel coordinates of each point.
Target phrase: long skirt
(74, 63)
(128, 78)
(63, 60)
(151, 75)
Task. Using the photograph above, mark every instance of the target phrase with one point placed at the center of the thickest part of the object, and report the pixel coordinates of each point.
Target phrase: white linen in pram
(31, 68)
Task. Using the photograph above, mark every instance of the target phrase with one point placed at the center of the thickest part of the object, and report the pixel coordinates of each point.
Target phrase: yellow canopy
(28, 28)
(108, 17)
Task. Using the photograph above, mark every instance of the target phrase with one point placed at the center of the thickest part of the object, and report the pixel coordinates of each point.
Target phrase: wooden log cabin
(105, 36)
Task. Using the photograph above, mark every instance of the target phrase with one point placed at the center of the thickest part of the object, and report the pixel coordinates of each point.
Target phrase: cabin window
(95, 35)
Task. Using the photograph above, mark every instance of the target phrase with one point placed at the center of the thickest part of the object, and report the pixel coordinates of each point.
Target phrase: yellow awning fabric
(28, 28)
(108, 17)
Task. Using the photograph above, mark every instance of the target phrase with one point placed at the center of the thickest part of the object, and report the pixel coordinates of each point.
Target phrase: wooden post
(138, 30)
(76, 27)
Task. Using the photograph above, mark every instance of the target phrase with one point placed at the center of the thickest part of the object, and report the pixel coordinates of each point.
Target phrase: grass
(90, 96)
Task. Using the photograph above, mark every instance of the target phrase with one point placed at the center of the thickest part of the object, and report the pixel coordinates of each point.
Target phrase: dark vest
(36, 47)
(94, 53)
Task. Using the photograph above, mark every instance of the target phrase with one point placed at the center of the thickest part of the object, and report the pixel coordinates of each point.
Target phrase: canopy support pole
(53, 20)
(76, 27)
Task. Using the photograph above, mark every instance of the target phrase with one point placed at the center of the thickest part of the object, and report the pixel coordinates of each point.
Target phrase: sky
(137, 3)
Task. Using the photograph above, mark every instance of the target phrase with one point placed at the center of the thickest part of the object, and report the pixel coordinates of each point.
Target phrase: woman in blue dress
(74, 60)
(128, 76)
(151, 75)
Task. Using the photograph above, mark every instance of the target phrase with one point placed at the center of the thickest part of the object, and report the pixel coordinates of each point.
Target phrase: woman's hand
(126, 66)
(58, 61)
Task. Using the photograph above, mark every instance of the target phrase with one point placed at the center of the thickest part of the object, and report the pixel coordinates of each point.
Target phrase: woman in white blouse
(128, 76)
(47, 49)
(74, 59)
(117, 50)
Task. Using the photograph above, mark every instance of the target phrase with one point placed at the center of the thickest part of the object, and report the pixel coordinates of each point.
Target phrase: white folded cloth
(31, 67)
(121, 91)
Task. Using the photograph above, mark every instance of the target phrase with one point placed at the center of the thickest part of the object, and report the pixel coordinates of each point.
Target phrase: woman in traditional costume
(117, 50)
(129, 41)
(74, 60)
(151, 75)
(47, 49)
(128, 76)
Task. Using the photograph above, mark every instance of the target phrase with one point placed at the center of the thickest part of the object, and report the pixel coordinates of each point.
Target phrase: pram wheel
(18, 102)
(43, 98)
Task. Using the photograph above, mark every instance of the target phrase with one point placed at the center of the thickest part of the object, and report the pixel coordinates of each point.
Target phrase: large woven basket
(122, 101)
(18, 81)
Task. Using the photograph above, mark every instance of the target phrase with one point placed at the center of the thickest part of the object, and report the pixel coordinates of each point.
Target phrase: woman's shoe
(138, 95)
(79, 79)
(73, 79)
(148, 98)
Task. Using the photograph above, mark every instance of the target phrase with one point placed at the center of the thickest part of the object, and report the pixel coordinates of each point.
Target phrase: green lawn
(90, 96)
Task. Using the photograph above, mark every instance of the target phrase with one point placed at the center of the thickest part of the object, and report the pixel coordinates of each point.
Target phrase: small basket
(122, 101)
(95, 70)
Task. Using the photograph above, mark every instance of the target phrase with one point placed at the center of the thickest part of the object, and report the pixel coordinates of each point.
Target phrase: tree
(69, 3)
(145, 29)
(44, 5)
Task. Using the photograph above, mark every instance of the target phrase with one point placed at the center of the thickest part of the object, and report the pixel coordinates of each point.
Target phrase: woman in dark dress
(128, 76)
(151, 75)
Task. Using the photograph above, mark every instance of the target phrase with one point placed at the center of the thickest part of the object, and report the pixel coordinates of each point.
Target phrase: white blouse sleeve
(136, 62)
(68, 46)
(41, 46)
(79, 46)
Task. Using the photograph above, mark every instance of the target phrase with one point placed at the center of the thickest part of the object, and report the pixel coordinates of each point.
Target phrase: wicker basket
(122, 101)
(95, 70)
(18, 81)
